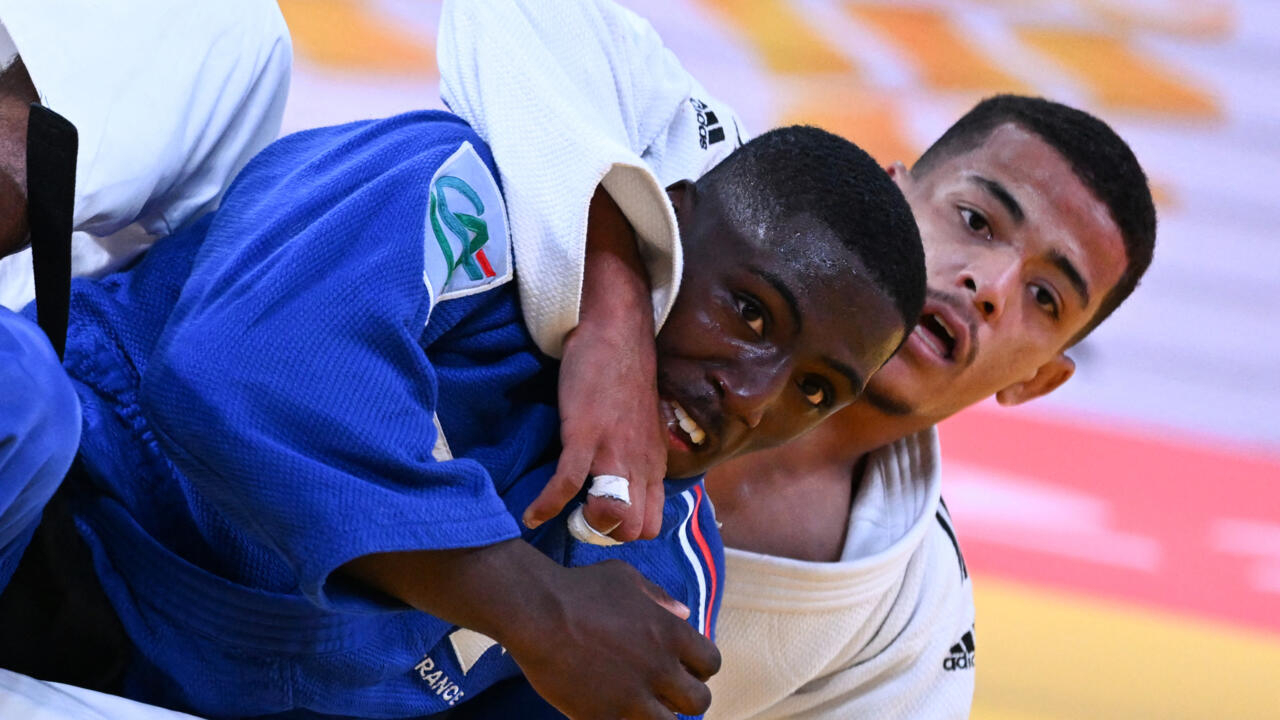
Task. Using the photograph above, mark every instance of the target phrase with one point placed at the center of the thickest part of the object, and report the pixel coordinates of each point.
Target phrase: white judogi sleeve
(31, 699)
(571, 96)
(170, 100)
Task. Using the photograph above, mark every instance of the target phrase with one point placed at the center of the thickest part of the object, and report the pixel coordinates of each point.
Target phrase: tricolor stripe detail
(707, 558)
(484, 263)
(695, 547)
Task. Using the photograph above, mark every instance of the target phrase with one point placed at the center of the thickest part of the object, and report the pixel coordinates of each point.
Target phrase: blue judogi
(39, 431)
(262, 396)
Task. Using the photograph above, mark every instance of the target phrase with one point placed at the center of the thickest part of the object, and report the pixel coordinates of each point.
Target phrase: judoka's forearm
(608, 393)
(593, 641)
(616, 319)
(512, 578)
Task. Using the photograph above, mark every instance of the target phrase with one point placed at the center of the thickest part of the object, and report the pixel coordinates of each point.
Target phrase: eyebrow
(1002, 195)
(788, 297)
(855, 379)
(1064, 264)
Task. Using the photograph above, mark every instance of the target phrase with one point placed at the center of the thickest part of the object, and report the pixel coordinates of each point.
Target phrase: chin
(682, 465)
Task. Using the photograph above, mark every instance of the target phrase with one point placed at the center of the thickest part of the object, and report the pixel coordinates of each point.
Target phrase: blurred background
(1124, 533)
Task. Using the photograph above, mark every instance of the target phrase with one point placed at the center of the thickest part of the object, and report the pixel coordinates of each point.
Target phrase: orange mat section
(786, 42)
(946, 60)
(348, 35)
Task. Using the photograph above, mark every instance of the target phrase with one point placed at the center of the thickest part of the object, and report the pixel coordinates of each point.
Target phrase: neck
(794, 500)
(839, 443)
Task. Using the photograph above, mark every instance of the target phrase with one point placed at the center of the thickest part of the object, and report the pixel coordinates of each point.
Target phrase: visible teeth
(931, 339)
(688, 425)
(945, 328)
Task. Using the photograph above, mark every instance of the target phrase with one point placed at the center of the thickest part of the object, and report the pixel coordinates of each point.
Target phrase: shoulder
(936, 595)
(401, 177)
(373, 219)
(468, 245)
(939, 631)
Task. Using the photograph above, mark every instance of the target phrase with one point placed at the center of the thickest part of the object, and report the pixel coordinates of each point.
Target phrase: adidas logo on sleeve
(961, 655)
(710, 131)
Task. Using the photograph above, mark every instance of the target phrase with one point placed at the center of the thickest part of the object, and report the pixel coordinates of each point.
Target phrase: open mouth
(684, 427)
(939, 336)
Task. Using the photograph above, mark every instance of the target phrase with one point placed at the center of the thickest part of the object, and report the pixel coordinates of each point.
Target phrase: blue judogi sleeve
(39, 432)
(291, 387)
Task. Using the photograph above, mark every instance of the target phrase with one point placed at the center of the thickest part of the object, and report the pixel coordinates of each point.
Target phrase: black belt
(56, 622)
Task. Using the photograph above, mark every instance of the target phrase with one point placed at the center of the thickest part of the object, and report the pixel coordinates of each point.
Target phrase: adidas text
(961, 655)
(709, 130)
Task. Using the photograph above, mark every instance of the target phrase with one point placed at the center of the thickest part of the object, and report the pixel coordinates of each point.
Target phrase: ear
(1046, 379)
(683, 194)
(900, 175)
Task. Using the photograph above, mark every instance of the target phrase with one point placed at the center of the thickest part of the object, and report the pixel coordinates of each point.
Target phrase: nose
(991, 283)
(750, 386)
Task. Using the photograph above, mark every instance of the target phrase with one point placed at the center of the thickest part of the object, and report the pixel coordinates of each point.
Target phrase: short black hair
(804, 170)
(1098, 156)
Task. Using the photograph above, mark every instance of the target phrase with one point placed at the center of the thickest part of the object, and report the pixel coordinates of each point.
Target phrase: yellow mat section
(1051, 655)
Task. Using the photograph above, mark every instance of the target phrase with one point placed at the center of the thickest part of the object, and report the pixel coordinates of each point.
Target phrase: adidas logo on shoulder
(709, 130)
(961, 655)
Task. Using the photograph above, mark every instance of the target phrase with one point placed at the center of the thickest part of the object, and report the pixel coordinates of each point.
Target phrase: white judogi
(170, 101)
(570, 96)
(30, 699)
(870, 636)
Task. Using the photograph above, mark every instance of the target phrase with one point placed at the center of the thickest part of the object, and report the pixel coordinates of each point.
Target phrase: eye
(817, 392)
(1046, 300)
(976, 222)
(752, 312)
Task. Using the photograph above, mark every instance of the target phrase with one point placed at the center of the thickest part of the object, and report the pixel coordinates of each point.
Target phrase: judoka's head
(1037, 223)
(803, 272)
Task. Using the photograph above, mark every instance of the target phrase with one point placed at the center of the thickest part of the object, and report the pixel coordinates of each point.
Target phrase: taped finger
(616, 487)
(582, 530)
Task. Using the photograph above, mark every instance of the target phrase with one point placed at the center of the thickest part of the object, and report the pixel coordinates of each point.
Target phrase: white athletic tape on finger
(582, 530)
(611, 486)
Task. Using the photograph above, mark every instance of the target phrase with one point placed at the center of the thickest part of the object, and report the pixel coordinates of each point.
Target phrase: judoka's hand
(611, 646)
(609, 422)
(596, 642)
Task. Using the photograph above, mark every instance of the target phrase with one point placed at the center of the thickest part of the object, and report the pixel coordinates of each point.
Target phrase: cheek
(1004, 365)
(941, 256)
(945, 244)
(687, 318)
(781, 427)
(13, 215)
(696, 326)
